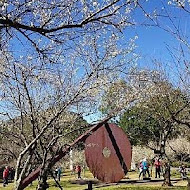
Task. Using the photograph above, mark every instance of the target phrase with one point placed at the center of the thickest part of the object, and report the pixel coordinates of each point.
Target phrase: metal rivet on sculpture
(108, 153)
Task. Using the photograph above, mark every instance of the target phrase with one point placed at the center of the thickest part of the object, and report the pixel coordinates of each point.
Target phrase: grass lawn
(69, 182)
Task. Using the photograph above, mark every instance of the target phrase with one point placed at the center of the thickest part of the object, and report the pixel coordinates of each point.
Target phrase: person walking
(59, 174)
(12, 173)
(157, 164)
(183, 172)
(5, 176)
(78, 170)
(145, 168)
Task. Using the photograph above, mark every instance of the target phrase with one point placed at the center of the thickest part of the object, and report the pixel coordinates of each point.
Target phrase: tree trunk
(71, 160)
(167, 180)
(43, 185)
(17, 185)
(188, 183)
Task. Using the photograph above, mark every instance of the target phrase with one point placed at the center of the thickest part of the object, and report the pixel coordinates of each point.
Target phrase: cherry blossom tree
(57, 57)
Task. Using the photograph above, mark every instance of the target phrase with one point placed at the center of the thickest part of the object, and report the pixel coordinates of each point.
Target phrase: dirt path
(150, 182)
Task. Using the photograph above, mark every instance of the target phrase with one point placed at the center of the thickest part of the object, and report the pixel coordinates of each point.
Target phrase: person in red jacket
(78, 170)
(157, 164)
(5, 176)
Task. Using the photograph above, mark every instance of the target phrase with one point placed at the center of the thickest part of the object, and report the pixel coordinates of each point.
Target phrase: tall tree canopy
(56, 58)
(151, 120)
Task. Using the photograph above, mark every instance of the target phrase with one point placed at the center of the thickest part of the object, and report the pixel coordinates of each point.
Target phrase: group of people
(77, 169)
(8, 173)
(144, 168)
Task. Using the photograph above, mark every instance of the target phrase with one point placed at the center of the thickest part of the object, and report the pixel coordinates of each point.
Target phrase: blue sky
(152, 41)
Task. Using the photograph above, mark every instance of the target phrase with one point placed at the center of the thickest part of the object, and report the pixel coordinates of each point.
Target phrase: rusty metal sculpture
(115, 148)
(34, 175)
(108, 153)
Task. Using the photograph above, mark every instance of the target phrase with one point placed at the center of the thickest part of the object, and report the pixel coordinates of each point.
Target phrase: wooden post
(89, 185)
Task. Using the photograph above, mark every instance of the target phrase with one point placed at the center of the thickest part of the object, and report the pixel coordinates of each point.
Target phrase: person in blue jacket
(145, 167)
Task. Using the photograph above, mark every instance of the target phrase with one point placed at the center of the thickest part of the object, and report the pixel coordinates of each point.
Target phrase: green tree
(140, 126)
(151, 120)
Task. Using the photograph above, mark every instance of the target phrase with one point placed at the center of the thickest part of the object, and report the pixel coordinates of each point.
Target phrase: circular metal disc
(108, 153)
